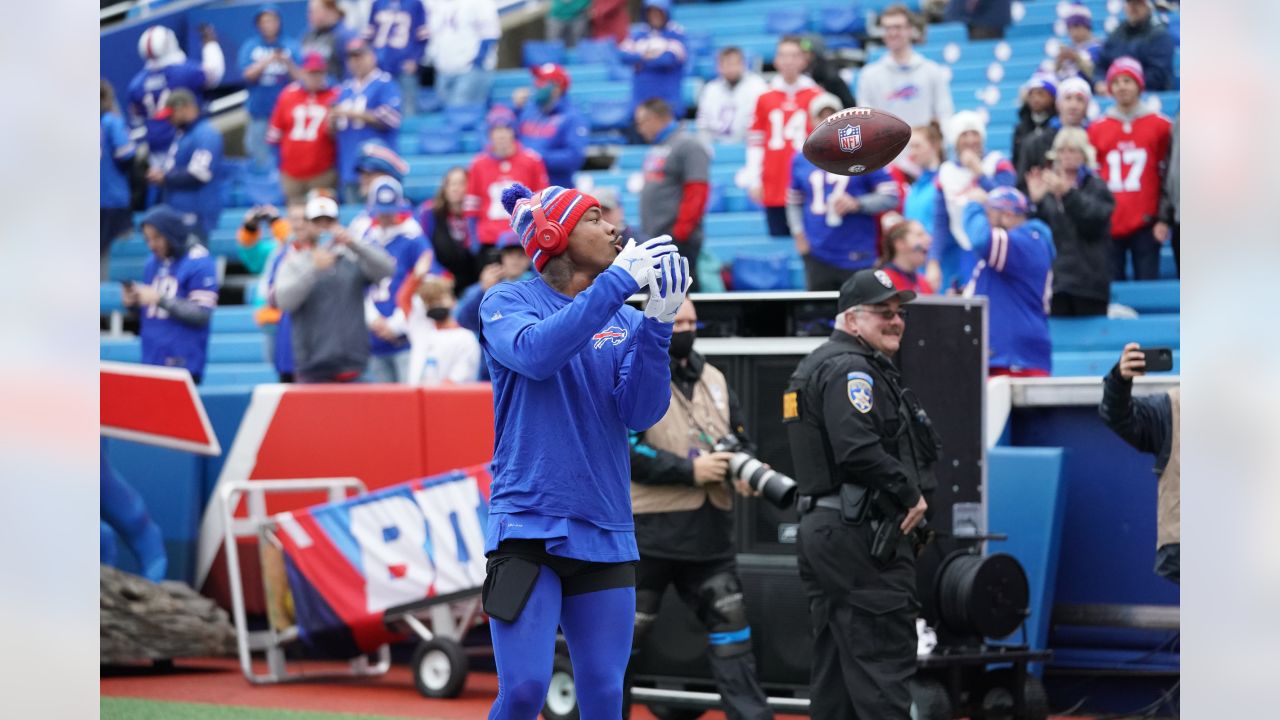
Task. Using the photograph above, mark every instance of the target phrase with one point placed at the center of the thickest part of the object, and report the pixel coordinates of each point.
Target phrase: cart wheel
(666, 712)
(439, 668)
(562, 697)
(996, 697)
(929, 699)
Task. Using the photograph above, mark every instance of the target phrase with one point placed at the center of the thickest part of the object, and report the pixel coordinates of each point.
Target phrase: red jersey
(780, 128)
(299, 127)
(488, 177)
(1132, 155)
(908, 281)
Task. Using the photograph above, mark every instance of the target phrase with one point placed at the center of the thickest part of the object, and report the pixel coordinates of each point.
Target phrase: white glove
(640, 260)
(670, 283)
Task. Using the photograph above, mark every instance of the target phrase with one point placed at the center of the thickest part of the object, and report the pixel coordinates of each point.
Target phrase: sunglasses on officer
(884, 312)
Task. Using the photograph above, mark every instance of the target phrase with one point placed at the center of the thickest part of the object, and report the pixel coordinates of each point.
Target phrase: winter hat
(386, 196)
(500, 116)
(1127, 66)
(962, 122)
(550, 73)
(561, 205)
(1043, 81)
(1007, 199)
(1075, 86)
(176, 228)
(1078, 15)
(823, 102)
(376, 157)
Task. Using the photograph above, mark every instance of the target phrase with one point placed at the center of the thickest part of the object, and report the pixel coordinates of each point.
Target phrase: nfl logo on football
(850, 138)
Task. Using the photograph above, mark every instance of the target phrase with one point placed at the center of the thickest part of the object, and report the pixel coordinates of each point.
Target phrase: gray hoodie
(328, 330)
(918, 92)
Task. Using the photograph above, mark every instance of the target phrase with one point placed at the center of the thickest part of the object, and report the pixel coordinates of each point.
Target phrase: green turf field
(114, 708)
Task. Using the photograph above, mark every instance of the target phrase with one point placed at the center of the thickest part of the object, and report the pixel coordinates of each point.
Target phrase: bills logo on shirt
(613, 334)
(850, 138)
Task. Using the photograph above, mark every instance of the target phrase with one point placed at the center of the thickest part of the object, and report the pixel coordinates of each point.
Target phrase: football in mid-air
(856, 141)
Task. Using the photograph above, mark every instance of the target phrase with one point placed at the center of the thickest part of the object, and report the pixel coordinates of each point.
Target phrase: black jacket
(1025, 129)
(1146, 423)
(702, 534)
(1081, 225)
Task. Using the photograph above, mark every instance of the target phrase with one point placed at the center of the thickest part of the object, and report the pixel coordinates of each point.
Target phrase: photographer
(682, 501)
(864, 452)
(1150, 424)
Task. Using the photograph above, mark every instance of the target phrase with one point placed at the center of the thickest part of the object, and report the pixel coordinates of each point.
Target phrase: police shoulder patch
(858, 385)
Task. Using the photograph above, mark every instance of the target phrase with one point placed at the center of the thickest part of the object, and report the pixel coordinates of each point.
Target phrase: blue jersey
(558, 135)
(378, 94)
(397, 31)
(570, 378)
(658, 57)
(406, 245)
(192, 173)
(1013, 272)
(148, 93)
(843, 241)
(114, 146)
(274, 77)
(165, 340)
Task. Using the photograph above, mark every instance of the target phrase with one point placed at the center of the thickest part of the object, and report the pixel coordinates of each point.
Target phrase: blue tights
(598, 628)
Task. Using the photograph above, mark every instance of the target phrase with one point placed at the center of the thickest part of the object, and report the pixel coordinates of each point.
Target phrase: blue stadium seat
(942, 33)
(787, 21)
(133, 246)
(233, 319)
(126, 349)
(466, 117)
(593, 51)
(235, 348)
(610, 114)
(1148, 296)
(631, 157)
(729, 154)
(251, 373)
(734, 225)
(840, 19)
(437, 142)
(537, 52)
(110, 298)
(1155, 330)
(127, 269)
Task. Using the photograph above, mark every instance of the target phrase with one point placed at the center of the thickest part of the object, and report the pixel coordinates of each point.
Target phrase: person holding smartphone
(1150, 424)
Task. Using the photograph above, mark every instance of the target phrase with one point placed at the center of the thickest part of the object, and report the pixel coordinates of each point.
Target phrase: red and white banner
(154, 405)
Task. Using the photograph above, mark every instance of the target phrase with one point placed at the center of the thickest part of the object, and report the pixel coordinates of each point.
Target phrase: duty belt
(808, 503)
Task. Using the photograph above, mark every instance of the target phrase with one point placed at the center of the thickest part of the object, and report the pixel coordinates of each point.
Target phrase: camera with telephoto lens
(773, 485)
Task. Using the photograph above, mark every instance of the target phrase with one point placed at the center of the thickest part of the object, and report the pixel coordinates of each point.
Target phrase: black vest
(911, 437)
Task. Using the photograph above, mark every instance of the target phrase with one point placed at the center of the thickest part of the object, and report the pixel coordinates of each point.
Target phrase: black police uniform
(852, 426)
(693, 551)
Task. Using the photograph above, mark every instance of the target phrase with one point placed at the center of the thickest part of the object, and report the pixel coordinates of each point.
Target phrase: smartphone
(1158, 359)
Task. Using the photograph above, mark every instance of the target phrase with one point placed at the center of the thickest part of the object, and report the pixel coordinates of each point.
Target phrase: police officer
(684, 527)
(863, 451)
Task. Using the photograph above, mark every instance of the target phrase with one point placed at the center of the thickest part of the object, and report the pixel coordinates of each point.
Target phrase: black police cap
(870, 287)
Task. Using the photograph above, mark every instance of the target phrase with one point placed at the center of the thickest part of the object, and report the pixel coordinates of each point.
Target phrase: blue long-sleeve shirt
(559, 135)
(397, 31)
(570, 378)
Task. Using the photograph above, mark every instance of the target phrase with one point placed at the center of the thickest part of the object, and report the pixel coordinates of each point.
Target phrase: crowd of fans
(1040, 230)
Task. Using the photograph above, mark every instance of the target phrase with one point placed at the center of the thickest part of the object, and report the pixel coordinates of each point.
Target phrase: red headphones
(549, 235)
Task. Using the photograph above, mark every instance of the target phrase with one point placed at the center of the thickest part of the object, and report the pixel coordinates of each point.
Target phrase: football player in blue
(573, 369)
(190, 174)
(166, 70)
(177, 295)
(368, 108)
